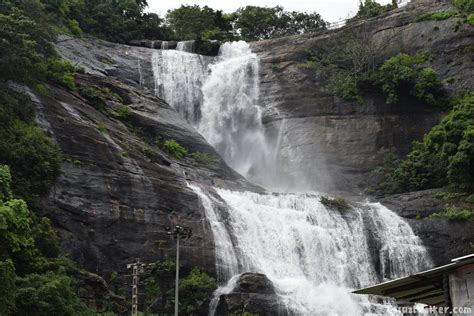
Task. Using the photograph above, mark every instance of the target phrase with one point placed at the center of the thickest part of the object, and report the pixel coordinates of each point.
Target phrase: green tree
(370, 9)
(15, 227)
(195, 289)
(18, 48)
(196, 23)
(258, 23)
(152, 27)
(302, 22)
(47, 294)
(402, 75)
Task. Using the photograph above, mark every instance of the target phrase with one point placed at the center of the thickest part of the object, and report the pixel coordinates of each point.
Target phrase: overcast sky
(330, 10)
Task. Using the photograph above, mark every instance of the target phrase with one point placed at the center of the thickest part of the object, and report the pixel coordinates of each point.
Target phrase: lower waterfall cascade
(313, 255)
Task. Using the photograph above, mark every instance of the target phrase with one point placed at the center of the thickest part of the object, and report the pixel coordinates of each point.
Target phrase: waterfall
(231, 117)
(178, 79)
(219, 96)
(312, 254)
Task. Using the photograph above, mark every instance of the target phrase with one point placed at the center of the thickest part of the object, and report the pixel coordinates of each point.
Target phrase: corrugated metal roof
(425, 287)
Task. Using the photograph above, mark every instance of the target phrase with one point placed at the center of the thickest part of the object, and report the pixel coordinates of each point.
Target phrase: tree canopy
(196, 23)
(370, 9)
(256, 23)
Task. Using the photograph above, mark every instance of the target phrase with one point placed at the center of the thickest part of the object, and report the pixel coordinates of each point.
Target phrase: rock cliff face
(330, 143)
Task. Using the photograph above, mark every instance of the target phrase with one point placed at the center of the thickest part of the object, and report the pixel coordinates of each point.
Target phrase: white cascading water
(179, 76)
(185, 46)
(312, 254)
(231, 117)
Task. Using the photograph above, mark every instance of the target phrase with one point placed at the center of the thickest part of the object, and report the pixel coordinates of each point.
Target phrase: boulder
(254, 293)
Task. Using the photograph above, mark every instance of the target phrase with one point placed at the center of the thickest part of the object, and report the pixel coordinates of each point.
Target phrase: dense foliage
(249, 23)
(402, 75)
(436, 16)
(196, 23)
(257, 23)
(33, 277)
(445, 157)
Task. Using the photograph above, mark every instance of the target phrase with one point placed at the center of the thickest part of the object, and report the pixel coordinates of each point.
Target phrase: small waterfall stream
(312, 254)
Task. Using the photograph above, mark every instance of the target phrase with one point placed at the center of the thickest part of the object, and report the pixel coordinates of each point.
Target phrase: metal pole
(176, 289)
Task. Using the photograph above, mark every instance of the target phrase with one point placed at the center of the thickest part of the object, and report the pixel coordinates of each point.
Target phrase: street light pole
(178, 232)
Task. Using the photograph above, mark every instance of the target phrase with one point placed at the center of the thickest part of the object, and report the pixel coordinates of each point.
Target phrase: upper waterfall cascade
(219, 96)
(312, 254)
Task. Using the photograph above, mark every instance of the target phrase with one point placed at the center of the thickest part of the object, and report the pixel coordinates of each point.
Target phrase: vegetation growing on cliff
(335, 203)
(453, 213)
(403, 75)
(33, 277)
(352, 72)
(444, 157)
(173, 148)
(32, 156)
(436, 16)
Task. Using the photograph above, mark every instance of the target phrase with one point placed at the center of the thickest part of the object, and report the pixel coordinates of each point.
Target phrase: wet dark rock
(208, 48)
(254, 293)
(202, 47)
